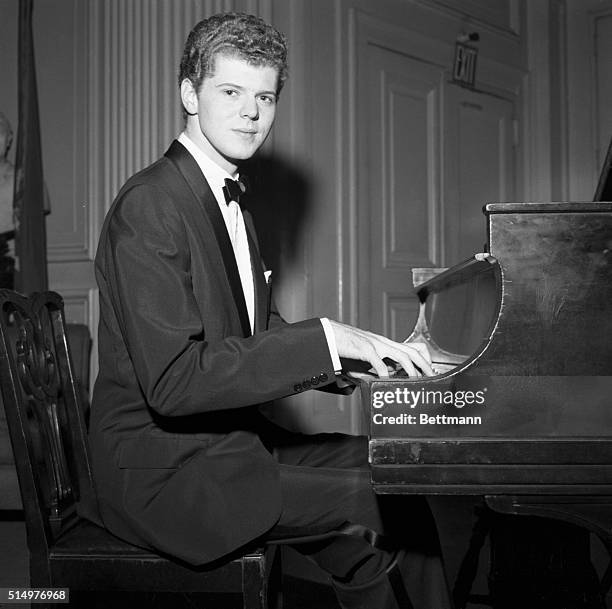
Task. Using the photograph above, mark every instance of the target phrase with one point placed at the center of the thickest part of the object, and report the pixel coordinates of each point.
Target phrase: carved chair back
(44, 415)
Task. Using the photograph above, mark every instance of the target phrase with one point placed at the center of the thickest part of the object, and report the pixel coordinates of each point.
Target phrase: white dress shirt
(234, 222)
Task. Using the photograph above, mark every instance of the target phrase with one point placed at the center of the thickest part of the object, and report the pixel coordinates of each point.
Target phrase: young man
(189, 349)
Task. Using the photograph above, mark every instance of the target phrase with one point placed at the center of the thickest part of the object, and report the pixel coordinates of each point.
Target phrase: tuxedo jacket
(178, 464)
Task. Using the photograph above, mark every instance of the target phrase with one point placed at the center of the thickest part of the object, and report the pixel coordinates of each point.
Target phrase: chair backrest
(44, 414)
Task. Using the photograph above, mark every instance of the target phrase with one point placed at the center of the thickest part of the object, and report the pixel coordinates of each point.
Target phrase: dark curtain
(30, 234)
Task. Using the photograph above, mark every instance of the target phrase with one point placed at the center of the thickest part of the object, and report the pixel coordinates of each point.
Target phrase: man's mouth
(246, 131)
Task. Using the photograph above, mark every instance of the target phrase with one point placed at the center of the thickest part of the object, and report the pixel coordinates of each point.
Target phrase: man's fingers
(410, 359)
(359, 344)
(422, 348)
(423, 362)
(406, 363)
(379, 366)
(418, 352)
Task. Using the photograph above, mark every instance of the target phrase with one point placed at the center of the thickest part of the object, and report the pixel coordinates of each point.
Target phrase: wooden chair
(79, 339)
(49, 440)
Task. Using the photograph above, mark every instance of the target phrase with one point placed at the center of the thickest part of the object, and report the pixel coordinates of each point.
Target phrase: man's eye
(267, 99)
(230, 92)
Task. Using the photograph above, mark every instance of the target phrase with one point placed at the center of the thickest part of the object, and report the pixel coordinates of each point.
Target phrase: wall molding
(397, 253)
(71, 252)
(399, 314)
(63, 125)
(77, 304)
(511, 31)
(536, 133)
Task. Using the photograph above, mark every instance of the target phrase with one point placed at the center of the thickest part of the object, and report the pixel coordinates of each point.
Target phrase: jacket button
(314, 380)
(323, 377)
(297, 388)
(306, 384)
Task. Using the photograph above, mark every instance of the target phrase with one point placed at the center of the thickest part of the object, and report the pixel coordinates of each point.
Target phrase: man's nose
(249, 109)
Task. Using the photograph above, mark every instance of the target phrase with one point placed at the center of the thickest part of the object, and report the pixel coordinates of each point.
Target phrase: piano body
(520, 409)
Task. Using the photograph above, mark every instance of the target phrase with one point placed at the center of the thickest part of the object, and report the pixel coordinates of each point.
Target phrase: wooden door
(479, 166)
(431, 154)
(399, 194)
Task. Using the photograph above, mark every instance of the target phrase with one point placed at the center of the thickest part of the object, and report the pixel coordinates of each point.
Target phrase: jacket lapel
(192, 174)
(262, 290)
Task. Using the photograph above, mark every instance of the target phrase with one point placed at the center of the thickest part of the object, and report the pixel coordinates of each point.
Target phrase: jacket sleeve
(144, 268)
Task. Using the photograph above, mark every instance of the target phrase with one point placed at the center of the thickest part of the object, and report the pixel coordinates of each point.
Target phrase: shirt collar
(214, 174)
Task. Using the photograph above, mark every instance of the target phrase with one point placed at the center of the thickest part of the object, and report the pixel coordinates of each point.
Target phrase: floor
(13, 554)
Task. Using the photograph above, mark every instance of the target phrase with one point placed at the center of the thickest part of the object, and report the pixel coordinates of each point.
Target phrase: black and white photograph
(306, 304)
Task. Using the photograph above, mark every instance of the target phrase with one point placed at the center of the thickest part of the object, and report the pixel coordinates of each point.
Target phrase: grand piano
(520, 408)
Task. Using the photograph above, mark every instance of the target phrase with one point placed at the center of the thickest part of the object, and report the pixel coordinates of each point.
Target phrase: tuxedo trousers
(326, 490)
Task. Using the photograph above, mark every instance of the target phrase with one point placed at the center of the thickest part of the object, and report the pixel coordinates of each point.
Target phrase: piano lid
(458, 310)
(541, 304)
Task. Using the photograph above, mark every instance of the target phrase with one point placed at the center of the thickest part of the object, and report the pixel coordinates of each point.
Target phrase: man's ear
(189, 97)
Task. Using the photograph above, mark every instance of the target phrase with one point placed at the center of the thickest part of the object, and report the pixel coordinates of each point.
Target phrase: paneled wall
(380, 162)
(585, 90)
(61, 58)
(392, 137)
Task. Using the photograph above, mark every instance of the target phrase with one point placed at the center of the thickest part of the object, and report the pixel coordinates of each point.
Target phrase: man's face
(233, 111)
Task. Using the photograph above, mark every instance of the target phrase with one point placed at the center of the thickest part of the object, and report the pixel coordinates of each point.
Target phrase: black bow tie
(234, 189)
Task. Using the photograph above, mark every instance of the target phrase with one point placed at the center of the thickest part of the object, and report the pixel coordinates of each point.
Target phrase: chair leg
(261, 585)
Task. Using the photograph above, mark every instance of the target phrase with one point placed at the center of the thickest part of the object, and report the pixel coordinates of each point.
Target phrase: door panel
(431, 154)
(399, 146)
(479, 166)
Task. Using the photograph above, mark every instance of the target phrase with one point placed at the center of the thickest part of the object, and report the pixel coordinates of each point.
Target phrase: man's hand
(369, 347)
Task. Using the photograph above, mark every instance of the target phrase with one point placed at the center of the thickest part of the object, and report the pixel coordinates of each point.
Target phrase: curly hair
(236, 34)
